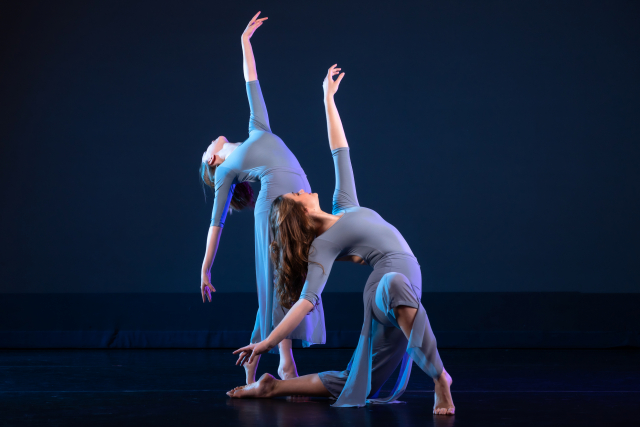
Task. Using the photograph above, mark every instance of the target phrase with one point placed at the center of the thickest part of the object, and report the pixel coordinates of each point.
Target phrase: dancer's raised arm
(337, 138)
(249, 63)
(344, 196)
(259, 119)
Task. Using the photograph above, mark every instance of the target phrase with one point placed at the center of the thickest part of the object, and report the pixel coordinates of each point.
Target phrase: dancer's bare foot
(263, 388)
(287, 369)
(250, 371)
(443, 404)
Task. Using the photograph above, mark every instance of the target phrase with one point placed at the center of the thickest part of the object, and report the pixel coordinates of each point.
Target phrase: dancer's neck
(227, 149)
(323, 221)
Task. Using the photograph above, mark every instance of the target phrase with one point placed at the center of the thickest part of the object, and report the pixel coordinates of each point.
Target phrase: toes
(444, 411)
(232, 392)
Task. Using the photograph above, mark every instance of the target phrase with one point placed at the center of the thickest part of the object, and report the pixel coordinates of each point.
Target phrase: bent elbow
(308, 302)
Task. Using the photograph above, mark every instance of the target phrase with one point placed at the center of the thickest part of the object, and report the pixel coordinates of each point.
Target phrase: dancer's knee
(394, 290)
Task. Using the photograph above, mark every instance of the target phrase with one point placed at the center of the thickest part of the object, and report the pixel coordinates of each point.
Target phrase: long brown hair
(242, 194)
(293, 232)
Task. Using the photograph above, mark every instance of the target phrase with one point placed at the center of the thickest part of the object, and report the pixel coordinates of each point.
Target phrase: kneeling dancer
(306, 243)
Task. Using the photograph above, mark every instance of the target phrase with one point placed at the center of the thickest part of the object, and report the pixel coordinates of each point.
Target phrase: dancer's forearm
(290, 322)
(249, 61)
(337, 138)
(213, 241)
(293, 318)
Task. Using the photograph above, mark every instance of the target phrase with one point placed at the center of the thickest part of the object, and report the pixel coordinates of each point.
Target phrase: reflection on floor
(187, 388)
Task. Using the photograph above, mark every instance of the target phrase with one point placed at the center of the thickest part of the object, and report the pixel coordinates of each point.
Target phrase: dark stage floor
(187, 388)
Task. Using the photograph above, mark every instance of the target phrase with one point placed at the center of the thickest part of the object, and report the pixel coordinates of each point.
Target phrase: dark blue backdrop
(501, 138)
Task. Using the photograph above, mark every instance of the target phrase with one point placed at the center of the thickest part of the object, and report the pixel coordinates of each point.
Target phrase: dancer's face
(210, 156)
(308, 200)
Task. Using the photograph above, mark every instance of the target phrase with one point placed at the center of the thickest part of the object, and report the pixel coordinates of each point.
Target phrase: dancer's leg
(263, 284)
(405, 316)
(264, 280)
(250, 370)
(394, 291)
(443, 404)
(268, 386)
(287, 368)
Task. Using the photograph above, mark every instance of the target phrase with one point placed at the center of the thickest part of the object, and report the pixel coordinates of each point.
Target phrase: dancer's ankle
(250, 371)
(444, 377)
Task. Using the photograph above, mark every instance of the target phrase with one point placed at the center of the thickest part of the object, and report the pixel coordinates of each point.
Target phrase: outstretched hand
(206, 287)
(251, 27)
(329, 85)
(250, 352)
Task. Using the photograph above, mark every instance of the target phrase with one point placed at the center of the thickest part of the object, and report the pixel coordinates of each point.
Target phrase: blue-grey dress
(264, 157)
(395, 281)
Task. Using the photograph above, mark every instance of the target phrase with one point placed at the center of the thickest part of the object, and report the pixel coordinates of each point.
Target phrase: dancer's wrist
(269, 342)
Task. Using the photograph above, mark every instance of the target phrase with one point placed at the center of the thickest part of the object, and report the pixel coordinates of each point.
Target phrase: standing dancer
(227, 168)
(396, 328)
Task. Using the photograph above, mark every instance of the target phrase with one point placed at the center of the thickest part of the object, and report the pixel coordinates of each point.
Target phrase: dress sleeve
(259, 119)
(344, 195)
(323, 253)
(225, 184)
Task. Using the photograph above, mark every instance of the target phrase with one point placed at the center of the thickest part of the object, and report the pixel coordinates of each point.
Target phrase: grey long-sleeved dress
(395, 281)
(264, 157)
